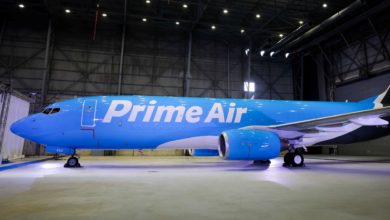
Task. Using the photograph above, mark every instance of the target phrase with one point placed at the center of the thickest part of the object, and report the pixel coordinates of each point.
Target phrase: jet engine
(249, 145)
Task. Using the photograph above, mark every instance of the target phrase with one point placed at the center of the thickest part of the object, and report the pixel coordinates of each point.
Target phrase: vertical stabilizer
(383, 99)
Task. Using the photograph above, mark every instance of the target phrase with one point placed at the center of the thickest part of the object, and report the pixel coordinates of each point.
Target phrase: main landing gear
(72, 162)
(293, 159)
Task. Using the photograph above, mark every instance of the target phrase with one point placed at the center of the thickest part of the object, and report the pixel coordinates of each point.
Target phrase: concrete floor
(197, 188)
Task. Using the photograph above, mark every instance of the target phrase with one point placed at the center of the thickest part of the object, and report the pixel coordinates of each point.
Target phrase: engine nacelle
(59, 150)
(249, 145)
(203, 152)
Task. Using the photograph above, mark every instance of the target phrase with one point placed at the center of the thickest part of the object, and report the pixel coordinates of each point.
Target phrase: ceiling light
(258, 16)
(271, 54)
(67, 11)
(286, 55)
(21, 6)
(262, 53)
(249, 86)
(177, 23)
(242, 31)
(104, 14)
(213, 27)
(185, 6)
(324, 5)
(147, 1)
(300, 22)
(281, 35)
(225, 11)
(144, 19)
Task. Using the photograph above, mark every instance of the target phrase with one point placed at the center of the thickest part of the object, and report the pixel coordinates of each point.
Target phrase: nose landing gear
(72, 162)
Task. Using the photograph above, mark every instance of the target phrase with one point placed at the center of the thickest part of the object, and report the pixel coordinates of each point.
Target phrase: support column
(187, 78)
(321, 78)
(122, 49)
(46, 66)
(229, 92)
(301, 64)
(2, 31)
(249, 67)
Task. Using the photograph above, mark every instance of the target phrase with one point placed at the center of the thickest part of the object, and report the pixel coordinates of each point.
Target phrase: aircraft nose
(17, 127)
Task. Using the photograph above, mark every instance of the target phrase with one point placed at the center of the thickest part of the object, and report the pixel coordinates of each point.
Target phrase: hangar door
(12, 108)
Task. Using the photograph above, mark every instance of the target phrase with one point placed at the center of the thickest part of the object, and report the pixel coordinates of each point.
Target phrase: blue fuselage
(146, 122)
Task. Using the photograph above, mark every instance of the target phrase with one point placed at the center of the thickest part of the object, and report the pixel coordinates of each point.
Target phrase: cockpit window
(49, 111)
(55, 110)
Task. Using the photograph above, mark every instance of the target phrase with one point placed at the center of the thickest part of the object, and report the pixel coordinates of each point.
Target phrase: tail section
(383, 99)
(379, 101)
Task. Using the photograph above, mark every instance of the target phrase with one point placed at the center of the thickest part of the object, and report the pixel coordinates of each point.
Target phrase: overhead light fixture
(213, 27)
(242, 31)
(324, 5)
(286, 55)
(147, 1)
(262, 52)
(247, 51)
(300, 22)
(144, 19)
(104, 14)
(249, 86)
(21, 5)
(272, 53)
(281, 35)
(185, 6)
(177, 23)
(258, 16)
(225, 11)
(67, 11)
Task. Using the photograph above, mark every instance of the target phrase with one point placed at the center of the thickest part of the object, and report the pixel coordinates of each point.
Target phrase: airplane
(234, 129)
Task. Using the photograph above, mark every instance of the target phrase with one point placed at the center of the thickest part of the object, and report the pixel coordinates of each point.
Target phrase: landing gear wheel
(72, 162)
(288, 159)
(293, 159)
(297, 160)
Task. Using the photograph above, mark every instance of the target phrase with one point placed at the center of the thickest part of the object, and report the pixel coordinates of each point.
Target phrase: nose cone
(17, 127)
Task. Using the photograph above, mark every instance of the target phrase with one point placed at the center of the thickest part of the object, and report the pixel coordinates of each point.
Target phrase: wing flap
(369, 121)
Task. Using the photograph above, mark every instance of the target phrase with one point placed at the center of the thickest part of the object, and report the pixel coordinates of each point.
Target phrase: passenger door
(88, 114)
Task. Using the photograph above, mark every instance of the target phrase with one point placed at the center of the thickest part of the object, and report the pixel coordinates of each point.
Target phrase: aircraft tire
(288, 157)
(297, 159)
(72, 162)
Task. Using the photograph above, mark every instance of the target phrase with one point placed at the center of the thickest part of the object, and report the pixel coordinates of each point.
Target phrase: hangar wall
(366, 88)
(154, 64)
(363, 69)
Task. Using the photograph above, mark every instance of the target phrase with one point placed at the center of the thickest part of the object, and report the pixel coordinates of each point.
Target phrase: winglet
(383, 99)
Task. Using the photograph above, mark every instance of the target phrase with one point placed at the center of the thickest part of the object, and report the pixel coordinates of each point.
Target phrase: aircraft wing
(370, 117)
(299, 129)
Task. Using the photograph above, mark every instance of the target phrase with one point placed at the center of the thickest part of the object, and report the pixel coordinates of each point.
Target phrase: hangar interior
(289, 49)
(56, 50)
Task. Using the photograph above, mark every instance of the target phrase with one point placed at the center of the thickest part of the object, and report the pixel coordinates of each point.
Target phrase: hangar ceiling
(53, 53)
(261, 20)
